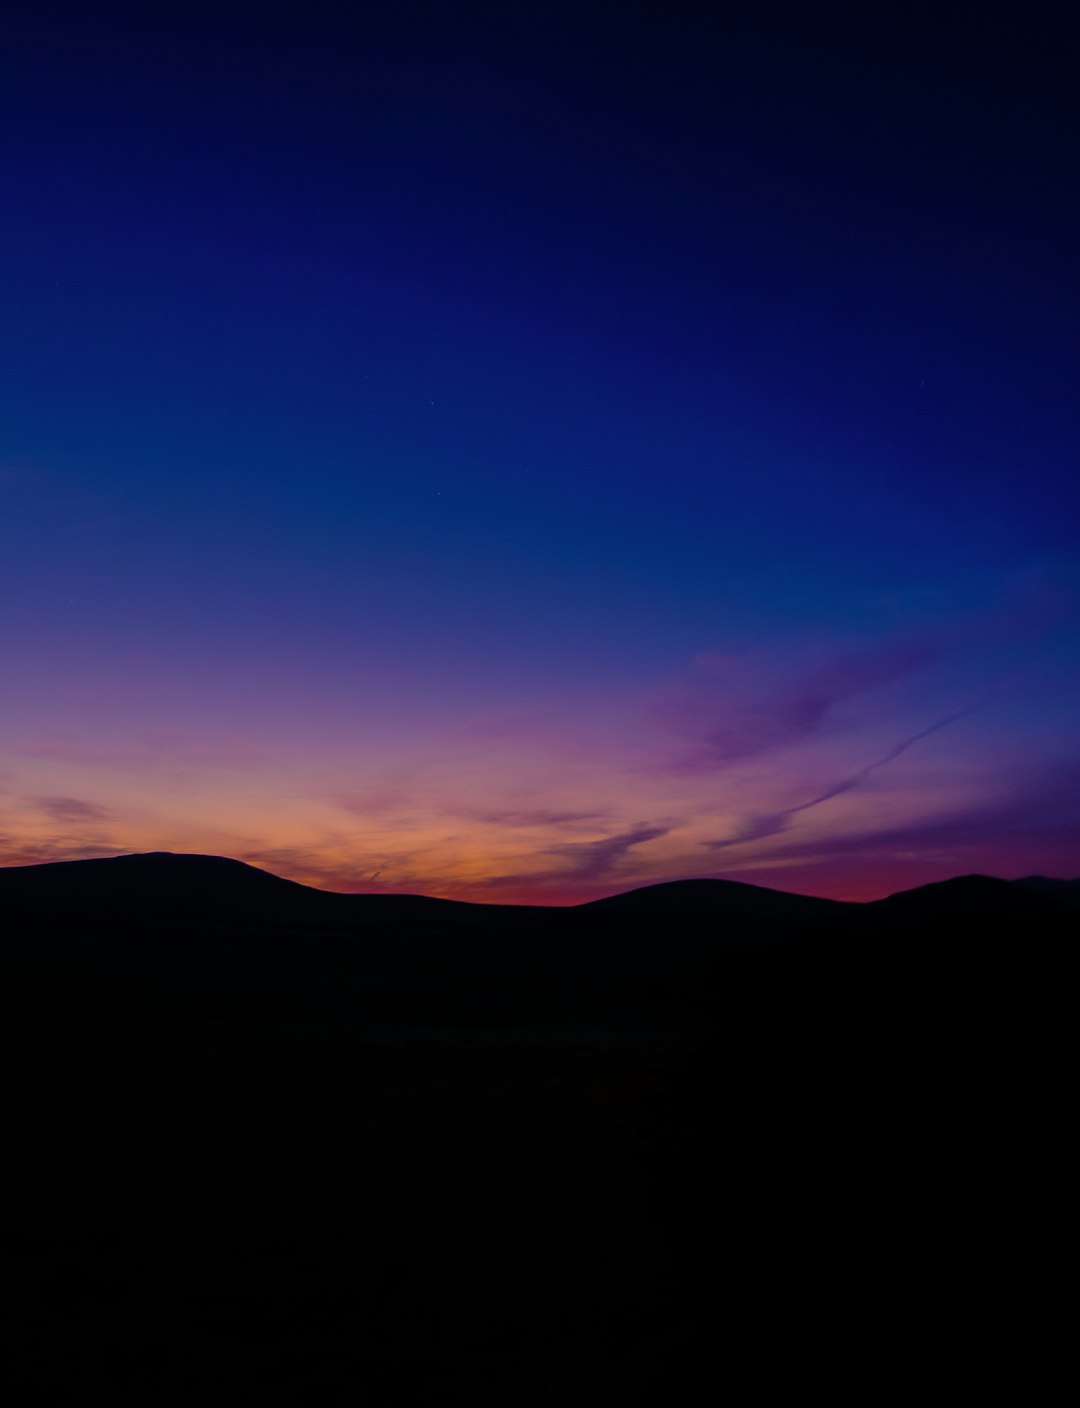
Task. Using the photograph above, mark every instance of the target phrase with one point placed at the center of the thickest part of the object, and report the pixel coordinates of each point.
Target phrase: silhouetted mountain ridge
(327, 1146)
(190, 881)
(681, 898)
(182, 884)
(1064, 891)
(982, 897)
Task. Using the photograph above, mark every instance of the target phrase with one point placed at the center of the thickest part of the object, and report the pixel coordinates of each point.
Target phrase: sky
(524, 452)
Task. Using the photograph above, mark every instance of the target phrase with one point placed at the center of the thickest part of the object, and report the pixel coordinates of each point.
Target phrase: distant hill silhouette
(271, 1143)
(958, 894)
(1064, 891)
(188, 882)
(714, 898)
(176, 883)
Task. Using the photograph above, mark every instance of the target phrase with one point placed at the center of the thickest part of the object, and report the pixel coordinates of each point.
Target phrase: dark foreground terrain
(698, 1143)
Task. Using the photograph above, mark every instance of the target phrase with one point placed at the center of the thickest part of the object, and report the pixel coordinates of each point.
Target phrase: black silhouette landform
(267, 1143)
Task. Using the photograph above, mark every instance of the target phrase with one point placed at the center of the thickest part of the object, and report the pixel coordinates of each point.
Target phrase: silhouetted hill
(169, 884)
(160, 932)
(156, 877)
(216, 885)
(174, 883)
(974, 909)
(714, 899)
(266, 1143)
(1064, 891)
(958, 893)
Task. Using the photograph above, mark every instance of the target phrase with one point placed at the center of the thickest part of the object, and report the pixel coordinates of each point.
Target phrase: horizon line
(500, 904)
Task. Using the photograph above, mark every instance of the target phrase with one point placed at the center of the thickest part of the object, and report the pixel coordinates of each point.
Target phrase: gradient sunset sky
(526, 452)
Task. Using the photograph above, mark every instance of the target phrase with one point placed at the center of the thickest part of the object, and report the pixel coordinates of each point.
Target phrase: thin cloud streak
(741, 707)
(760, 827)
(71, 810)
(590, 860)
(585, 863)
(16, 851)
(532, 819)
(856, 778)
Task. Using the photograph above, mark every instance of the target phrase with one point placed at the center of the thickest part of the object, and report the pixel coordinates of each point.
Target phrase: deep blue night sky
(518, 451)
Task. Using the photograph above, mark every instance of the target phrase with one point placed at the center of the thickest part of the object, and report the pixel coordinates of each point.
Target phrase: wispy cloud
(311, 865)
(531, 818)
(739, 707)
(72, 811)
(758, 827)
(1040, 804)
(21, 851)
(392, 807)
(583, 864)
(1032, 825)
(590, 860)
